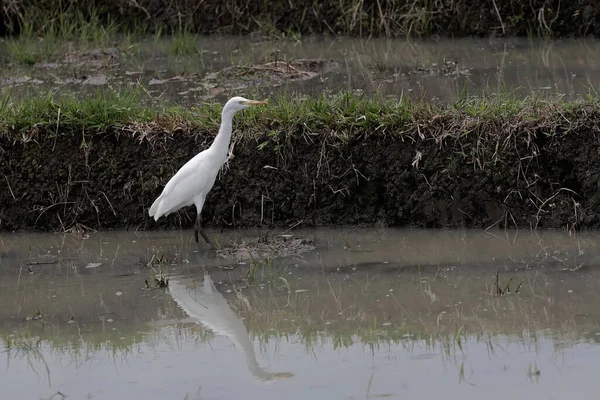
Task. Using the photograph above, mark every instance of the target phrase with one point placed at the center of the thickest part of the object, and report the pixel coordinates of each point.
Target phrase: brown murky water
(367, 314)
(441, 70)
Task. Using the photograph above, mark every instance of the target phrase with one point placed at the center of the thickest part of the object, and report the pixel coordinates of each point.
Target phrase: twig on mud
(337, 300)
(62, 396)
(56, 133)
(292, 227)
(41, 262)
(540, 208)
(109, 203)
(499, 17)
(9, 188)
(416, 160)
(19, 278)
(262, 200)
(44, 209)
(495, 223)
(136, 5)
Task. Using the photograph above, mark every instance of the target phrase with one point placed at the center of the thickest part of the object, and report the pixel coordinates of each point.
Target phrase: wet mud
(513, 174)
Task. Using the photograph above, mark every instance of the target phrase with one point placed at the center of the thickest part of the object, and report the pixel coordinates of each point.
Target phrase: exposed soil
(355, 17)
(85, 67)
(541, 173)
(265, 248)
(270, 74)
(448, 68)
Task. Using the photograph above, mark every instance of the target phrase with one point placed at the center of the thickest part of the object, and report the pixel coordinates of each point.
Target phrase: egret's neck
(221, 143)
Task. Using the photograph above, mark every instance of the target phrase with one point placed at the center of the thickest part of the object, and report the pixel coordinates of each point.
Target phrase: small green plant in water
(22, 49)
(183, 44)
(533, 371)
(261, 262)
(160, 281)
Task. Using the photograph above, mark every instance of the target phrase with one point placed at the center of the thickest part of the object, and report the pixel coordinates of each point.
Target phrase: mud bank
(353, 17)
(428, 168)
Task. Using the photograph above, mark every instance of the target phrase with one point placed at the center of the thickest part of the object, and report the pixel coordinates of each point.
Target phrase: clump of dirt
(272, 73)
(280, 246)
(174, 79)
(20, 80)
(448, 68)
(84, 59)
(83, 67)
(95, 58)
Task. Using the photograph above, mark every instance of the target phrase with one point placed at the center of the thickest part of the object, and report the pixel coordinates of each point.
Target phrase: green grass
(68, 27)
(479, 128)
(341, 115)
(96, 113)
(183, 43)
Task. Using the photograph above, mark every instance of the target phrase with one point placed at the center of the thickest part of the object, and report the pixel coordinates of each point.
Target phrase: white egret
(195, 179)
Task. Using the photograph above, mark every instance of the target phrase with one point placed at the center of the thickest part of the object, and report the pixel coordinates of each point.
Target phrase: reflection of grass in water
(313, 323)
(533, 372)
(120, 344)
(293, 317)
(78, 346)
(260, 263)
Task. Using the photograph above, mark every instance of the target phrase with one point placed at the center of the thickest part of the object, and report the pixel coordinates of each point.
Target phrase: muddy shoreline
(450, 170)
(281, 18)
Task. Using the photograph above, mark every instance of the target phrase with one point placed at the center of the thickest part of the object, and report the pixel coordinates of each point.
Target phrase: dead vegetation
(272, 73)
(498, 288)
(302, 17)
(267, 248)
(301, 69)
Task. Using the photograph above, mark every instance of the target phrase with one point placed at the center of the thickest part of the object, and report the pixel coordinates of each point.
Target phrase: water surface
(369, 313)
(440, 70)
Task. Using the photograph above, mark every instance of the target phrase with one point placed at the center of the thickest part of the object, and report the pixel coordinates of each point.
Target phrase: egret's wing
(191, 180)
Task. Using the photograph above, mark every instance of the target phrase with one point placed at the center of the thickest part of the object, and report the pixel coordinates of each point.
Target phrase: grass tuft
(343, 116)
(183, 43)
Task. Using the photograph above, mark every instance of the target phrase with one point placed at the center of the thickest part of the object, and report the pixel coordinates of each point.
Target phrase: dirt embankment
(513, 172)
(351, 17)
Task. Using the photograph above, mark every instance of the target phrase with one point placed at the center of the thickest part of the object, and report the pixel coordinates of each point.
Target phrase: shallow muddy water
(441, 70)
(365, 314)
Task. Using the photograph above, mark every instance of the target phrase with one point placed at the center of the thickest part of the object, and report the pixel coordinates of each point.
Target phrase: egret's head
(239, 103)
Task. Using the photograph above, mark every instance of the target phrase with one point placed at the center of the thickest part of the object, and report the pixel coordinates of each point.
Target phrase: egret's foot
(206, 239)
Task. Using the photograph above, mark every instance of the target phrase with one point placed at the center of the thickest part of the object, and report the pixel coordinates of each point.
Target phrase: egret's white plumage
(195, 179)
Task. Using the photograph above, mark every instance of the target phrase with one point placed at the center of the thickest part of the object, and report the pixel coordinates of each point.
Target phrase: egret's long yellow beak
(253, 103)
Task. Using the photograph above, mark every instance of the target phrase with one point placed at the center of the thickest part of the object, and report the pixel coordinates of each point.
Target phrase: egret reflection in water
(207, 306)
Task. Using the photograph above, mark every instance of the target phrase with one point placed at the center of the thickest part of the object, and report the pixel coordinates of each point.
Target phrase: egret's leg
(199, 201)
(198, 228)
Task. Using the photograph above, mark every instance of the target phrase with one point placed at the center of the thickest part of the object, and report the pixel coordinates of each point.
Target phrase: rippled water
(442, 70)
(367, 314)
